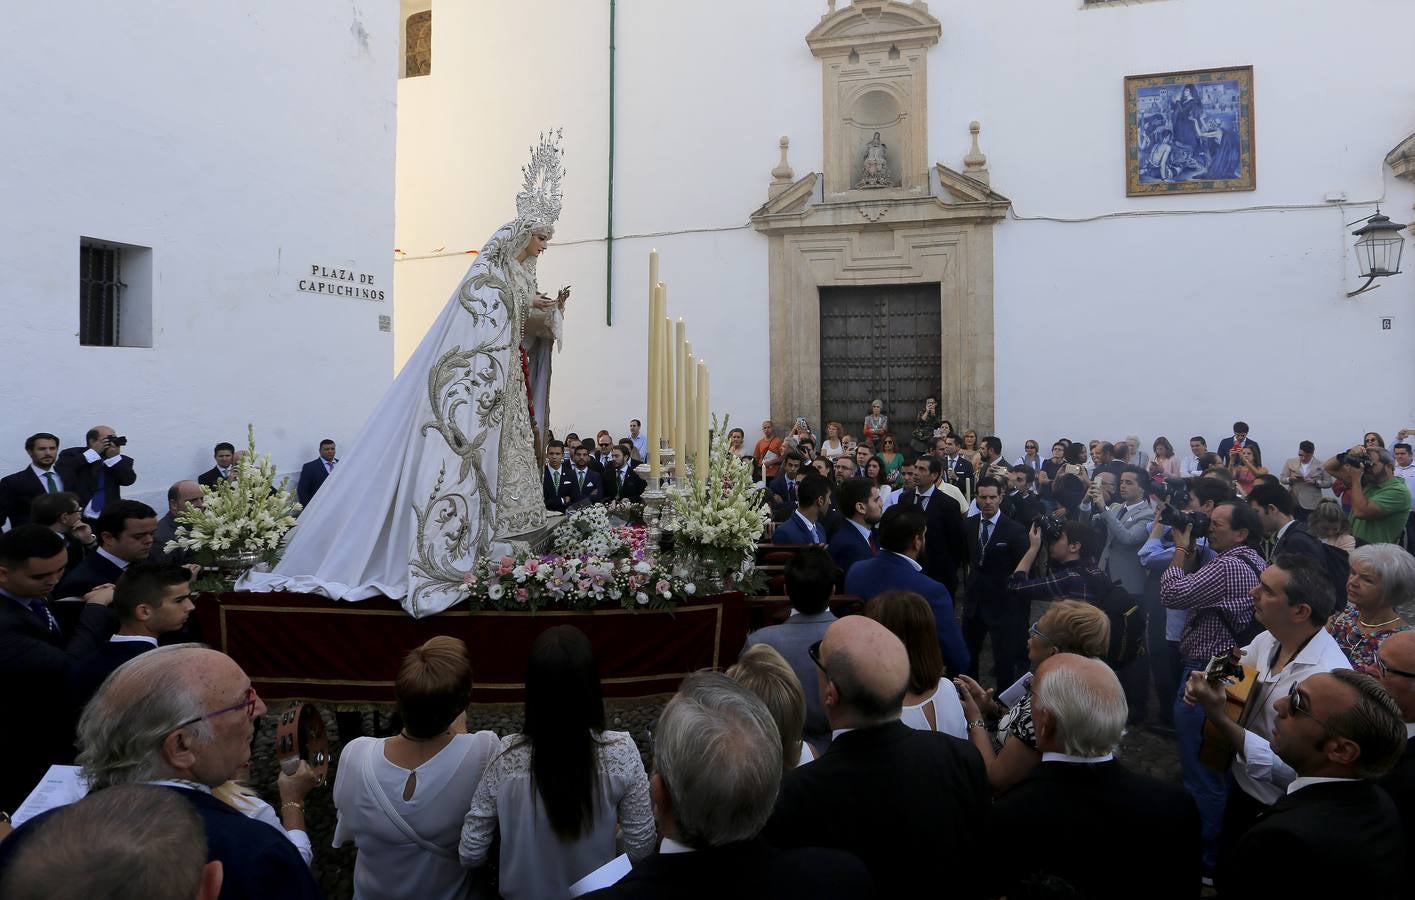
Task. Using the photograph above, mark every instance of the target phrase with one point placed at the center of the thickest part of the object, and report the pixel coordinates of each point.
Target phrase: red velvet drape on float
(300, 646)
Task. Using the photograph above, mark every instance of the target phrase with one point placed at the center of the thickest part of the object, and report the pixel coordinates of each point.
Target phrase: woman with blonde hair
(832, 445)
(931, 702)
(1328, 522)
(1068, 626)
(401, 799)
(766, 673)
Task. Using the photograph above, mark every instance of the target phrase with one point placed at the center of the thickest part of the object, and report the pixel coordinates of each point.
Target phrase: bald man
(897, 798)
(1082, 817)
(1395, 668)
(181, 496)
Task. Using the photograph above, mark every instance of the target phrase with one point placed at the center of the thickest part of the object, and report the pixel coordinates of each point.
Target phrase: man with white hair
(1082, 817)
(896, 797)
(717, 767)
(182, 717)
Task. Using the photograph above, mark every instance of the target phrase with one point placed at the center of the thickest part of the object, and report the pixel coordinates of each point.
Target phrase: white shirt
(1259, 771)
(669, 845)
(1049, 756)
(912, 562)
(1190, 467)
(1283, 530)
(41, 473)
(92, 456)
(816, 533)
(329, 464)
(120, 563)
(947, 708)
(1408, 473)
(1308, 780)
(864, 532)
(132, 639)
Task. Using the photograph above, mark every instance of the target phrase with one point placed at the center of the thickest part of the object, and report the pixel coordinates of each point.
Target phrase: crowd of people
(851, 756)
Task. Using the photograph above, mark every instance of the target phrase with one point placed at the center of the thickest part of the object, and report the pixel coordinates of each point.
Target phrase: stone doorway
(878, 342)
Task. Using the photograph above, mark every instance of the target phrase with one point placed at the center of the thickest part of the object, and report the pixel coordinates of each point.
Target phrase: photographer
(98, 472)
(1380, 500)
(1072, 573)
(1218, 597)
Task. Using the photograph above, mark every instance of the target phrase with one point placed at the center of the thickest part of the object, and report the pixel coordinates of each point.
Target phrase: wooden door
(878, 343)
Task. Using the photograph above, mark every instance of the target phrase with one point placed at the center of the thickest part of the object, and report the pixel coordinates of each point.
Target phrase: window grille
(100, 295)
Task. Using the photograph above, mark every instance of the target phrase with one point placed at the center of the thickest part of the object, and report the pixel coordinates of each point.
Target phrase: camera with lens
(1352, 458)
(1178, 518)
(115, 440)
(1052, 526)
(1172, 491)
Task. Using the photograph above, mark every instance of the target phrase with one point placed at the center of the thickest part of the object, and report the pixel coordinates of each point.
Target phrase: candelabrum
(658, 512)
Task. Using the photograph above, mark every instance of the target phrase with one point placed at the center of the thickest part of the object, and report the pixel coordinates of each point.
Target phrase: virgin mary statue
(445, 469)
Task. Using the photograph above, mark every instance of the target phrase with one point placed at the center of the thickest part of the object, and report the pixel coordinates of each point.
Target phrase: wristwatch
(978, 724)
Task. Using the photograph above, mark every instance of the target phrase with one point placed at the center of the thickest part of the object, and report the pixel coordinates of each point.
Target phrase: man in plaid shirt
(1218, 599)
(1072, 574)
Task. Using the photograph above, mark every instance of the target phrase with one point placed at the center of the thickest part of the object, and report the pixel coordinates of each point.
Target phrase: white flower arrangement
(588, 532)
(528, 582)
(728, 515)
(244, 516)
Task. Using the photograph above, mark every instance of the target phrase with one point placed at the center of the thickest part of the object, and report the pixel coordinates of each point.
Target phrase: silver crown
(538, 203)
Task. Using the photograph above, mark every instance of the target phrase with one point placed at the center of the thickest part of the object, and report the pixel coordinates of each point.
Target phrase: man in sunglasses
(182, 717)
(1339, 731)
(1292, 601)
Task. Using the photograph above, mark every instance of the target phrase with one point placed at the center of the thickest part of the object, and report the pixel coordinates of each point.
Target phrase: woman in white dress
(557, 790)
(766, 673)
(401, 799)
(931, 703)
(832, 446)
(445, 467)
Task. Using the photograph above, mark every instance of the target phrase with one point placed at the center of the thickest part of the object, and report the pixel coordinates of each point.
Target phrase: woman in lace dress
(557, 790)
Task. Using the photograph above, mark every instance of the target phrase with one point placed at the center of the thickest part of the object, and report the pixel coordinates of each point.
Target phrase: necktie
(924, 501)
(984, 533)
(791, 491)
(874, 542)
(580, 477)
(45, 617)
(555, 477)
(816, 534)
(100, 492)
(49, 479)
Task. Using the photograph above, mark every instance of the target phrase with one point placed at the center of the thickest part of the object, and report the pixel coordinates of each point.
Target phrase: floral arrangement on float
(594, 563)
(719, 520)
(242, 521)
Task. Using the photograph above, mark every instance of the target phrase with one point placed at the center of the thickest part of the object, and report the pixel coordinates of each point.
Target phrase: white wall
(241, 142)
(1221, 312)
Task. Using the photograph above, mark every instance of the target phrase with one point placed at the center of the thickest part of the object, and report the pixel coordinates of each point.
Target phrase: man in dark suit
(591, 455)
(888, 793)
(856, 539)
(1239, 440)
(585, 484)
(1395, 667)
(224, 455)
(716, 749)
(804, 525)
(1022, 504)
(150, 600)
(555, 479)
(180, 496)
(955, 469)
(157, 692)
(602, 452)
(621, 482)
(896, 568)
(97, 472)
(1080, 816)
(995, 544)
(1274, 506)
(18, 490)
(315, 472)
(783, 487)
(125, 532)
(1338, 731)
(945, 547)
(36, 654)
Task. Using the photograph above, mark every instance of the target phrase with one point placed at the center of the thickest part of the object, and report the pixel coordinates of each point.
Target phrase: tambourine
(300, 735)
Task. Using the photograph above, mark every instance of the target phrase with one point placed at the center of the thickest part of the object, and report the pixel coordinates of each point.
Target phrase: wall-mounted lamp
(1378, 249)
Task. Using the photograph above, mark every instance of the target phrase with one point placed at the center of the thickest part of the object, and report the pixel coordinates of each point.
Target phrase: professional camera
(1172, 491)
(116, 440)
(1352, 458)
(1178, 518)
(1052, 526)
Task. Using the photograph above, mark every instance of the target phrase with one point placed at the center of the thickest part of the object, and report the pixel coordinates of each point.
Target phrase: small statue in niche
(876, 172)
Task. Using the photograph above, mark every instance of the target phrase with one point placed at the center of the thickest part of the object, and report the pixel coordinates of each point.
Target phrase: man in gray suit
(1127, 525)
(1304, 476)
(810, 582)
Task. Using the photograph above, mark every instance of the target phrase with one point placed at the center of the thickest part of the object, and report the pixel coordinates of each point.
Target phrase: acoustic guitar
(1227, 669)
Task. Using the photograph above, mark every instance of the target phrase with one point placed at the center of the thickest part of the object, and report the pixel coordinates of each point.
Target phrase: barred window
(100, 294)
(418, 55)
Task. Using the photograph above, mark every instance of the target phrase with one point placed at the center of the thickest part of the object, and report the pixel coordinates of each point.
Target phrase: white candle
(705, 411)
(680, 399)
(654, 414)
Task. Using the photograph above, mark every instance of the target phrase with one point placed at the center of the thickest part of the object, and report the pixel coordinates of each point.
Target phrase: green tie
(580, 477)
(556, 476)
(53, 488)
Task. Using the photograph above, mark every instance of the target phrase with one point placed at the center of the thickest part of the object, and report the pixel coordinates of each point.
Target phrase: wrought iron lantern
(1378, 248)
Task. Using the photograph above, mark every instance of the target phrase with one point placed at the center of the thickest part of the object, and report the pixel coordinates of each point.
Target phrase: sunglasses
(248, 703)
(814, 652)
(1385, 669)
(1300, 704)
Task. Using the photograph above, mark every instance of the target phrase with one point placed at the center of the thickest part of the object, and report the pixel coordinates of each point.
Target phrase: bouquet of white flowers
(588, 532)
(243, 518)
(728, 514)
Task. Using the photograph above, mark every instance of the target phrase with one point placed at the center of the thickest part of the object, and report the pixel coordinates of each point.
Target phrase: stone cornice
(874, 25)
(1402, 159)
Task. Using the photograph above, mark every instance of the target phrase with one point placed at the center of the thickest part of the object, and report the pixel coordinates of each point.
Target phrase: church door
(879, 342)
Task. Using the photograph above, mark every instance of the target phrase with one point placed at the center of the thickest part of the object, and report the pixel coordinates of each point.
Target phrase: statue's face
(537, 245)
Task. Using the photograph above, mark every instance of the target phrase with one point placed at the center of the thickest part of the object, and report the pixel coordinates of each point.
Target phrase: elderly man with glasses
(182, 717)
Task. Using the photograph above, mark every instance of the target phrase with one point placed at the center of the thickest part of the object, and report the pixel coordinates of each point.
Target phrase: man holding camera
(1218, 597)
(1230, 447)
(1072, 574)
(98, 472)
(1380, 500)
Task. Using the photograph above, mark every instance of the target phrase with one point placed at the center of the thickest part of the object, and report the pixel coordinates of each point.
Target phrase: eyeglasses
(1301, 704)
(1385, 669)
(248, 703)
(1034, 630)
(814, 652)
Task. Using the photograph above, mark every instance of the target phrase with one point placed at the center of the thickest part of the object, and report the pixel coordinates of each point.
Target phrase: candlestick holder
(658, 512)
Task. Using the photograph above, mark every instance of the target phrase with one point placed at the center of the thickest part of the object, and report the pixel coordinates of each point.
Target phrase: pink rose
(469, 578)
(522, 595)
(531, 564)
(662, 586)
(507, 564)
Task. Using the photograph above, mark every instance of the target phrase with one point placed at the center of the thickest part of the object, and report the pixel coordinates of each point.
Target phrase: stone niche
(927, 224)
